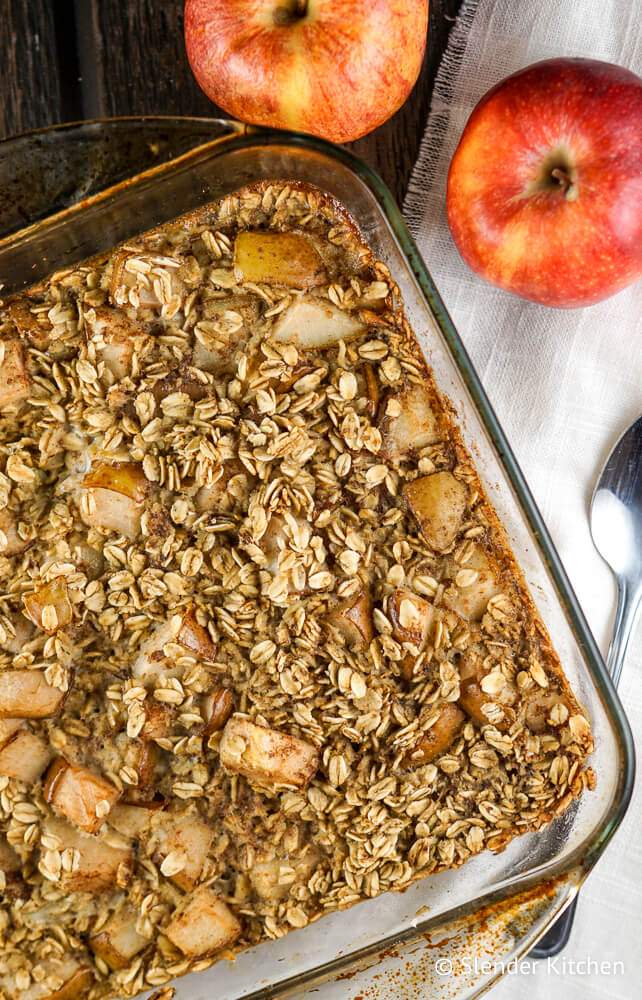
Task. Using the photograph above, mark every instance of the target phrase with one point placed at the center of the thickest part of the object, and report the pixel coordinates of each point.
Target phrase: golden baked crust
(263, 645)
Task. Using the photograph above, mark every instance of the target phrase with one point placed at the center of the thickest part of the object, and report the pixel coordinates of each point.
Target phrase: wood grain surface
(70, 59)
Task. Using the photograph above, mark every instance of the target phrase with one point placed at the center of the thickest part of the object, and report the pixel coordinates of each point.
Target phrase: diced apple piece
(8, 729)
(14, 378)
(158, 720)
(219, 496)
(353, 618)
(151, 663)
(25, 757)
(114, 512)
(184, 630)
(202, 924)
(314, 324)
(9, 860)
(438, 502)
(473, 700)
(75, 988)
(49, 607)
(144, 758)
(223, 332)
(273, 879)
(414, 427)
(277, 259)
(539, 708)
(411, 616)
(212, 497)
(149, 280)
(195, 637)
(436, 740)
(87, 559)
(34, 327)
(474, 585)
(114, 333)
(11, 544)
(12, 884)
(25, 694)
(485, 707)
(98, 862)
(216, 707)
(118, 941)
(214, 355)
(24, 632)
(283, 534)
(132, 820)
(117, 495)
(79, 795)
(265, 756)
(75, 982)
(185, 839)
(126, 478)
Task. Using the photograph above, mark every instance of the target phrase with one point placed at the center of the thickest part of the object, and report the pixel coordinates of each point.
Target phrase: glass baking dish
(126, 175)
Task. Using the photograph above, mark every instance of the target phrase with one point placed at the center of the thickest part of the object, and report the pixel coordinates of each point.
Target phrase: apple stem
(290, 11)
(566, 181)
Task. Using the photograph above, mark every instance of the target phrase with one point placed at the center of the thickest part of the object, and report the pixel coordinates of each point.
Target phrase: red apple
(545, 188)
(335, 68)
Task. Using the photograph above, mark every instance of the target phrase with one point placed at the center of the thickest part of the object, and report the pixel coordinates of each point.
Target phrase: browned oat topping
(263, 649)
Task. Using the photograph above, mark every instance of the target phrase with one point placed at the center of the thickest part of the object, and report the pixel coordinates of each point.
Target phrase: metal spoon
(616, 527)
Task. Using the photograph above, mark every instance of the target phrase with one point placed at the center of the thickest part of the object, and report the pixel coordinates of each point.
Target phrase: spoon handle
(629, 598)
(628, 605)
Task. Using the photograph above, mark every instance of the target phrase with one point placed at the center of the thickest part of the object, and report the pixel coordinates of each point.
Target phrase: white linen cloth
(565, 384)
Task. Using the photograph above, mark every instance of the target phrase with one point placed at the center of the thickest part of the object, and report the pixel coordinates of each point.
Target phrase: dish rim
(577, 865)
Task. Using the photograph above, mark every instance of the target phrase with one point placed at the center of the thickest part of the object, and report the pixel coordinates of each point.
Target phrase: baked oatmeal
(264, 649)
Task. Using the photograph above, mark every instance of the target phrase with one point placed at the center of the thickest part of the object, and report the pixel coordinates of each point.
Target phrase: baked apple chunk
(10, 868)
(115, 497)
(11, 543)
(25, 694)
(118, 941)
(98, 866)
(82, 797)
(274, 878)
(353, 619)
(216, 707)
(74, 977)
(473, 585)
(49, 607)
(202, 924)
(150, 281)
(289, 259)
(25, 757)
(409, 422)
(183, 841)
(436, 740)
(132, 820)
(314, 324)
(15, 383)
(438, 502)
(266, 757)
(183, 630)
(113, 333)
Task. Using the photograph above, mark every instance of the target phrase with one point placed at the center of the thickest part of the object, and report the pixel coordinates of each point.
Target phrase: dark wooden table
(63, 60)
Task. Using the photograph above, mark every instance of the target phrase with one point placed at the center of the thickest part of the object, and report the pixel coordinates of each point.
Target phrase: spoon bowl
(616, 527)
